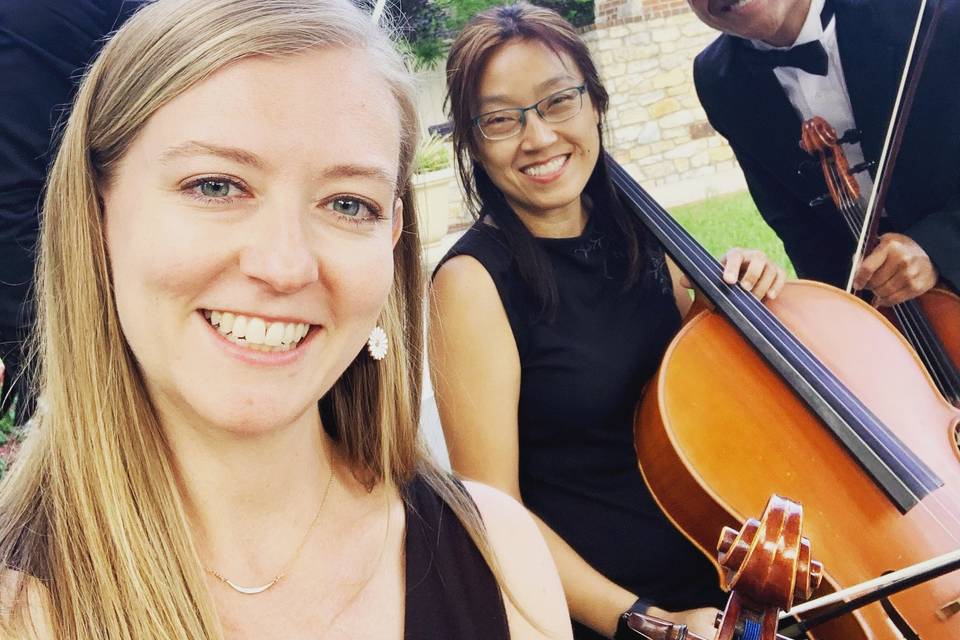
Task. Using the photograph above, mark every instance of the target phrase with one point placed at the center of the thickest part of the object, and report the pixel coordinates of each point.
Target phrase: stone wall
(644, 51)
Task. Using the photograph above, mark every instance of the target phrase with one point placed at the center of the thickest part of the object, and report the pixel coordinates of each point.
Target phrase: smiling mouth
(256, 333)
(546, 168)
(733, 6)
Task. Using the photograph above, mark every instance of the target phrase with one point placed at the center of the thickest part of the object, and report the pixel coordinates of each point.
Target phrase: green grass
(722, 222)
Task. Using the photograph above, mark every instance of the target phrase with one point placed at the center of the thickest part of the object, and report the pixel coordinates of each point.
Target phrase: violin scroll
(820, 139)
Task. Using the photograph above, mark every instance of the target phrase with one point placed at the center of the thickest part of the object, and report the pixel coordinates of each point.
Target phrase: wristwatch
(624, 632)
(635, 624)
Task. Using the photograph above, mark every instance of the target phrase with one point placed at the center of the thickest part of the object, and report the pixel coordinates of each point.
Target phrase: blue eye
(352, 209)
(348, 207)
(214, 189)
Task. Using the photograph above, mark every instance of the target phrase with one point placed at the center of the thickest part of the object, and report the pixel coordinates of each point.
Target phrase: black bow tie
(811, 57)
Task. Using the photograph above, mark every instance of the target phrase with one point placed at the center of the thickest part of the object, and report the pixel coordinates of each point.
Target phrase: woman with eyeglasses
(549, 315)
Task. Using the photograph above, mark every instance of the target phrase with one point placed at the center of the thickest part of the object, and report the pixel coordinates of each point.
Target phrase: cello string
(758, 315)
(910, 318)
(913, 321)
(756, 303)
(936, 498)
(750, 307)
(706, 269)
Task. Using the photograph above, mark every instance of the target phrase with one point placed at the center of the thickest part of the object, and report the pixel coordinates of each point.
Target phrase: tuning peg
(863, 166)
(819, 200)
(850, 136)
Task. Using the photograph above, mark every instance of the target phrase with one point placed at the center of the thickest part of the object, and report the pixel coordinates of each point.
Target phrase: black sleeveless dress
(581, 376)
(451, 594)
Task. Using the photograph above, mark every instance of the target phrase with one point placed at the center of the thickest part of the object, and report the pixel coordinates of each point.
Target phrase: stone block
(673, 133)
(649, 55)
(618, 31)
(634, 114)
(645, 133)
(693, 28)
(720, 154)
(670, 79)
(648, 98)
(639, 36)
(686, 149)
(701, 129)
(666, 34)
(701, 159)
(609, 44)
(657, 170)
(664, 107)
(615, 70)
(677, 119)
(672, 60)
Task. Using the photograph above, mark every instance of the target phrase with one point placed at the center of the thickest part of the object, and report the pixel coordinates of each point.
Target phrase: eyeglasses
(556, 107)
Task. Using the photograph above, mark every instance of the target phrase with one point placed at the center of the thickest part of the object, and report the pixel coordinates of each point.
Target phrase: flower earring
(377, 343)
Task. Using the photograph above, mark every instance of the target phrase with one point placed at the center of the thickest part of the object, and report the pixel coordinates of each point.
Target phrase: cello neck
(900, 474)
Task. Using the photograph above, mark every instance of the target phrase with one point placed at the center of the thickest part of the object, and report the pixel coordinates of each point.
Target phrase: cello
(768, 566)
(798, 381)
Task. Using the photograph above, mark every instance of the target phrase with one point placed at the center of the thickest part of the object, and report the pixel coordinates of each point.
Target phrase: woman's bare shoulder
(525, 564)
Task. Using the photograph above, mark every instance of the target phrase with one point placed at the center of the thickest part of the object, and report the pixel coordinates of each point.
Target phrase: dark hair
(480, 39)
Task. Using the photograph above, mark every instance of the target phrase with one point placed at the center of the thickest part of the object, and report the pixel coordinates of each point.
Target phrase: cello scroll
(767, 567)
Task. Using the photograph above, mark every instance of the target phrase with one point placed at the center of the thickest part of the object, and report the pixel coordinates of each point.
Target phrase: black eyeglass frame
(534, 107)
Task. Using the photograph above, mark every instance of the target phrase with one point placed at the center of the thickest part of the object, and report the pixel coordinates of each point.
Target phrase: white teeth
(257, 333)
(274, 334)
(736, 5)
(240, 327)
(226, 322)
(545, 168)
(291, 333)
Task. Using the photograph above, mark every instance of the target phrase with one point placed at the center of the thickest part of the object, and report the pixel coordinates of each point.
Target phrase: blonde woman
(229, 344)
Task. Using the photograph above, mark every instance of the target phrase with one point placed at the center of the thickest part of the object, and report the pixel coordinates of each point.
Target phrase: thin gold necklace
(283, 572)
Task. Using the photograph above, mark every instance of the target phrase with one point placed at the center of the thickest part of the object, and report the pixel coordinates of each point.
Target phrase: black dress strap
(451, 592)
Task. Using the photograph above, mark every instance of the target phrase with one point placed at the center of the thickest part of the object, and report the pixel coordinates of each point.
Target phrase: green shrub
(432, 155)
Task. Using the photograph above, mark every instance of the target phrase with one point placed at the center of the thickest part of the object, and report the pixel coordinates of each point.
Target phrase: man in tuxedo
(779, 62)
(44, 47)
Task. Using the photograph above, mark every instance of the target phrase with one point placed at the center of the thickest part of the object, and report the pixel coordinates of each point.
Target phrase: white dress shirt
(824, 96)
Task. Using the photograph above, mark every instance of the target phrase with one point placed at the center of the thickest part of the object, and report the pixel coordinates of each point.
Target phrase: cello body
(942, 309)
(717, 432)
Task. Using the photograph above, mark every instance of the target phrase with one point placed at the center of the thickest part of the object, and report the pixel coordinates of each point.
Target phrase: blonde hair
(91, 507)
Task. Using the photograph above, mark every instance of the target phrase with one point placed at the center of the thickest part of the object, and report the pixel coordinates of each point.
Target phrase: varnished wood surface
(718, 433)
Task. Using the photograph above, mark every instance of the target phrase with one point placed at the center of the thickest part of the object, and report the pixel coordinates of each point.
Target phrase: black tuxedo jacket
(750, 109)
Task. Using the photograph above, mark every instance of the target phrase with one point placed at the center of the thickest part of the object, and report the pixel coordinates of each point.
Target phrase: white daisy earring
(377, 343)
